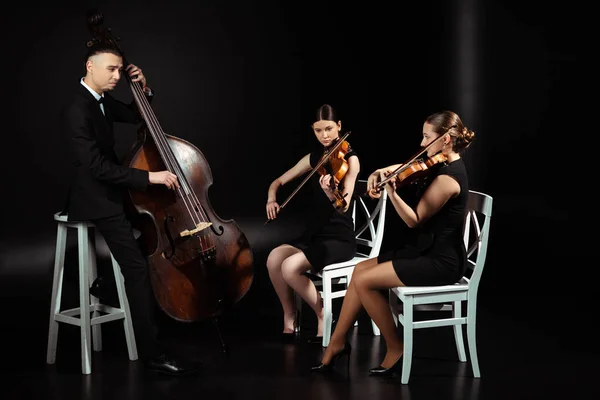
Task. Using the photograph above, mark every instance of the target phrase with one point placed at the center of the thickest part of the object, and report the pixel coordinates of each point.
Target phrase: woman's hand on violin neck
(374, 179)
(390, 186)
(328, 185)
(166, 178)
(272, 209)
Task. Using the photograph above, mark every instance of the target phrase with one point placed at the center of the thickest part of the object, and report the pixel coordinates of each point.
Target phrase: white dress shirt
(96, 95)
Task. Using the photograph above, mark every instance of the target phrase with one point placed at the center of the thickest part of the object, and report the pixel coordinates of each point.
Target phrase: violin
(410, 171)
(336, 165)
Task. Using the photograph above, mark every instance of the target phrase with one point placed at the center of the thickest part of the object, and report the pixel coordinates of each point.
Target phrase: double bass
(199, 264)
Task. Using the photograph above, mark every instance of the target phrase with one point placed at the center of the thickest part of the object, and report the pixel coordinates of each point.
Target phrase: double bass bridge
(197, 243)
(199, 227)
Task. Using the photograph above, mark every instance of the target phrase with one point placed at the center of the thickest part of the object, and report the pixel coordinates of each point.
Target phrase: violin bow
(406, 164)
(315, 169)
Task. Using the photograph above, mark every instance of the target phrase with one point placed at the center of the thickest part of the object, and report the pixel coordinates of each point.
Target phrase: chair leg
(84, 299)
(458, 333)
(327, 309)
(124, 303)
(393, 302)
(376, 330)
(348, 279)
(93, 273)
(57, 281)
(471, 318)
(408, 339)
(298, 320)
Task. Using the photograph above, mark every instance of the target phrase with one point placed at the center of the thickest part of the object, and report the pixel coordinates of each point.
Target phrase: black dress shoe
(101, 289)
(326, 368)
(380, 371)
(169, 365)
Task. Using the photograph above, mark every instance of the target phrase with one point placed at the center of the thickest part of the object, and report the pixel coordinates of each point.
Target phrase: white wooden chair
(449, 297)
(370, 220)
(90, 313)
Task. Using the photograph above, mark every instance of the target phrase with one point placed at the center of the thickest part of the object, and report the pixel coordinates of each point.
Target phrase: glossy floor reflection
(515, 363)
(518, 359)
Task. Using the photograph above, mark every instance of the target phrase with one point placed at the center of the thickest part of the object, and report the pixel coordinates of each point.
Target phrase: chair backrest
(369, 220)
(478, 217)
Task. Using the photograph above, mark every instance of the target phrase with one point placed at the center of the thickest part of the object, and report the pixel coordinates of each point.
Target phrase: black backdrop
(241, 80)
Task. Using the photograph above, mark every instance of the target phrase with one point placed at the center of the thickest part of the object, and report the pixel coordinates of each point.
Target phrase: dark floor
(517, 360)
(516, 363)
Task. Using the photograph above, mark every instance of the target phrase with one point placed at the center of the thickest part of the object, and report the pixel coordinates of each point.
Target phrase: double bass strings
(196, 213)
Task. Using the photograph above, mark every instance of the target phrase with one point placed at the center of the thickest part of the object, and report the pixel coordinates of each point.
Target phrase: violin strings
(315, 169)
(404, 166)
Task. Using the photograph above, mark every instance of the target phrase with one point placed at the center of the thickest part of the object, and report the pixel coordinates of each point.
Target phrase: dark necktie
(101, 102)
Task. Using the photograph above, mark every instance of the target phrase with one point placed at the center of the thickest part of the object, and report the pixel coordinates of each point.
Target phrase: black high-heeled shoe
(291, 337)
(329, 367)
(380, 371)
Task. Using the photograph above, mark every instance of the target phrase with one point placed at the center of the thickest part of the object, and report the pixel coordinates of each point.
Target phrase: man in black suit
(98, 184)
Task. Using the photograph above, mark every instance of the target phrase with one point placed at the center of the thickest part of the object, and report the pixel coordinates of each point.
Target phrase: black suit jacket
(98, 181)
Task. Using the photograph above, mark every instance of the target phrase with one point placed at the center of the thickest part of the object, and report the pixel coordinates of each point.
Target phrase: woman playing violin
(330, 236)
(436, 258)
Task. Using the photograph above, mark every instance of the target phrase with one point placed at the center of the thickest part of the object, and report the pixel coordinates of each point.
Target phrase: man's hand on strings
(166, 178)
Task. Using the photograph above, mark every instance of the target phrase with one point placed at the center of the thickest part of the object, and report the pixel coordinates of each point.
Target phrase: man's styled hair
(99, 48)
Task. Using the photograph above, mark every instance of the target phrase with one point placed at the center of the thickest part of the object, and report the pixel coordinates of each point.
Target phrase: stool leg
(96, 328)
(127, 324)
(327, 309)
(59, 264)
(84, 299)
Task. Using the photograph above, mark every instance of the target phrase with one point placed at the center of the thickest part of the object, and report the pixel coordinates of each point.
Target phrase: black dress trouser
(118, 235)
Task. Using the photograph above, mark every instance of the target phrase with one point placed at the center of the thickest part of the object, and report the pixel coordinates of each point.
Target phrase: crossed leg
(367, 284)
(351, 306)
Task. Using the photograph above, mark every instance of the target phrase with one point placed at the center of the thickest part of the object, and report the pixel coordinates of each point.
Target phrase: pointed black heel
(326, 368)
(294, 336)
(380, 371)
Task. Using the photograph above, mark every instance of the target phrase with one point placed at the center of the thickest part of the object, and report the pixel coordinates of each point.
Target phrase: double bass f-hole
(168, 219)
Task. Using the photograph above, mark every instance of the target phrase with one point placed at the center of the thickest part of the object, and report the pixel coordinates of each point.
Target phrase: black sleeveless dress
(329, 236)
(438, 256)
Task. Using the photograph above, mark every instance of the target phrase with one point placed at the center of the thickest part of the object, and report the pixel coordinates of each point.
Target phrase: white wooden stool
(80, 316)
